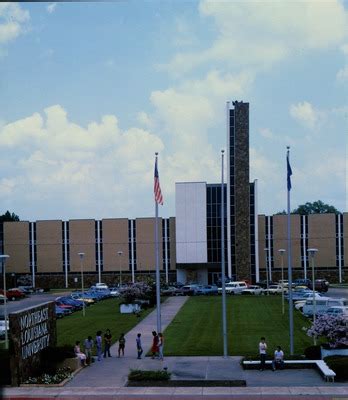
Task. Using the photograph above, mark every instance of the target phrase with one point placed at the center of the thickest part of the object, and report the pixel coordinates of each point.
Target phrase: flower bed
(60, 377)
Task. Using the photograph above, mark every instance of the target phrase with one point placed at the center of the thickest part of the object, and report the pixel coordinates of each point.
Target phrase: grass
(196, 329)
(100, 316)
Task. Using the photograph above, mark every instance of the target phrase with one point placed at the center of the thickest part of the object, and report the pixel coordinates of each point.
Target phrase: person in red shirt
(155, 342)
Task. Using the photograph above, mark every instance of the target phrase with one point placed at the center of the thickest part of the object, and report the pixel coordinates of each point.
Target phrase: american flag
(157, 187)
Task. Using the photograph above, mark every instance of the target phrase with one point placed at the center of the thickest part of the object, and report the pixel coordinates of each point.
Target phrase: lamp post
(119, 265)
(82, 255)
(3, 258)
(266, 250)
(281, 252)
(312, 254)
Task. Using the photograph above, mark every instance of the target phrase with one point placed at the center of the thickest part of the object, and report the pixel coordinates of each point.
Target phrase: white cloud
(78, 166)
(257, 34)
(266, 133)
(144, 119)
(342, 74)
(12, 21)
(51, 8)
(306, 114)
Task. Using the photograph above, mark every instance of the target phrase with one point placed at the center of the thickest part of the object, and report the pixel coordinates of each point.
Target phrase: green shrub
(313, 353)
(339, 364)
(47, 379)
(139, 375)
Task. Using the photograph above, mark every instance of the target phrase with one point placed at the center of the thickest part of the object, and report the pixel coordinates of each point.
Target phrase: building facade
(190, 244)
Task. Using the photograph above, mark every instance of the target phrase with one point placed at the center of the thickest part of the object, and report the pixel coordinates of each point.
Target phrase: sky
(90, 91)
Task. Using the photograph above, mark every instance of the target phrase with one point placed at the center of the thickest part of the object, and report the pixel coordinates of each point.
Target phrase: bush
(339, 364)
(333, 328)
(48, 379)
(313, 353)
(139, 375)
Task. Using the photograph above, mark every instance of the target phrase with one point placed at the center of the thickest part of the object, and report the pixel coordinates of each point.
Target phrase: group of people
(89, 343)
(102, 344)
(278, 358)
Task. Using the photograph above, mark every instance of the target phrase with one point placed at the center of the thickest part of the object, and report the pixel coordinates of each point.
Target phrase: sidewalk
(114, 371)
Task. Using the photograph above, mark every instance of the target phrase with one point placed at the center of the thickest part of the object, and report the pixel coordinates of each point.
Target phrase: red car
(13, 294)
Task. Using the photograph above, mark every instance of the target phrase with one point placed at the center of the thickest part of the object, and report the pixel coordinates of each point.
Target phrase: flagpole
(291, 317)
(224, 323)
(158, 286)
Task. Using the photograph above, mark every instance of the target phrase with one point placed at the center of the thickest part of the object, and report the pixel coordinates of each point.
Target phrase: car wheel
(13, 298)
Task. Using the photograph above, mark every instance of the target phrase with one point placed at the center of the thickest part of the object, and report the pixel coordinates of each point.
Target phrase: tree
(317, 207)
(9, 217)
(334, 328)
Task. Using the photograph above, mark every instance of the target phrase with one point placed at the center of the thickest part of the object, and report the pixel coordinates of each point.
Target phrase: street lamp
(3, 258)
(281, 252)
(312, 254)
(119, 265)
(81, 255)
(266, 250)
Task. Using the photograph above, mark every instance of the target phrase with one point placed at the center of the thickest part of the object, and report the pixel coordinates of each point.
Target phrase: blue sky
(89, 91)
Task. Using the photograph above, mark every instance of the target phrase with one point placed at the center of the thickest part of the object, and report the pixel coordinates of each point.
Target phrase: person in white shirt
(262, 352)
(278, 359)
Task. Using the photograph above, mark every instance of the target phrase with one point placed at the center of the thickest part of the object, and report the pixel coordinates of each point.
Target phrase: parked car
(60, 312)
(27, 289)
(321, 285)
(2, 328)
(253, 290)
(13, 294)
(298, 304)
(338, 311)
(264, 284)
(114, 292)
(301, 282)
(207, 290)
(274, 289)
(168, 291)
(2, 298)
(234, 287)
(322, 305)
(101, 286)
(82, 297)
(187, 290)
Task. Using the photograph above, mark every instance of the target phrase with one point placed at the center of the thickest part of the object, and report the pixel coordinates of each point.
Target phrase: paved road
(29, 301)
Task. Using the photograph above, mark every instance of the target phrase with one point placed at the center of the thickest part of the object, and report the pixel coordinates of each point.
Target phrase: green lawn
(100, 316)
(196, 329)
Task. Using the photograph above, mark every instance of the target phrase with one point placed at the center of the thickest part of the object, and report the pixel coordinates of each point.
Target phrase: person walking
(160, 346)
(139, 346)
(121, 345)
(155, 341)
(107, 342)
(263, 353)
(98, 343)
(278, 360)
(88, 344)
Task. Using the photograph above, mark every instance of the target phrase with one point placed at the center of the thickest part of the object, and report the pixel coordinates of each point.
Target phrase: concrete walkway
(114, 371)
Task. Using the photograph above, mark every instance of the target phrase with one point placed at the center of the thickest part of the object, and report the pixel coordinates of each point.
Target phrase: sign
(31, 330)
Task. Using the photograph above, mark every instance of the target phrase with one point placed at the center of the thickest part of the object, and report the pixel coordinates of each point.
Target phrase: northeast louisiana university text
(34, 332)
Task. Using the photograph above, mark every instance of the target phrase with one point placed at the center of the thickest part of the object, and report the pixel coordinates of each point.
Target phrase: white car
(101, 286)
(298, 304)
(114, 292)
(275, 289)
(234, 287)
(253, 289)
(338, 311)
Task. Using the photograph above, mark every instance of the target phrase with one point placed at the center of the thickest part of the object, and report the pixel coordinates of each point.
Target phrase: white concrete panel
(191, 222)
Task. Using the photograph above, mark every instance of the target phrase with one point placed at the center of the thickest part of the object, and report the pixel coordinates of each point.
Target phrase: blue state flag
(289, 171)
